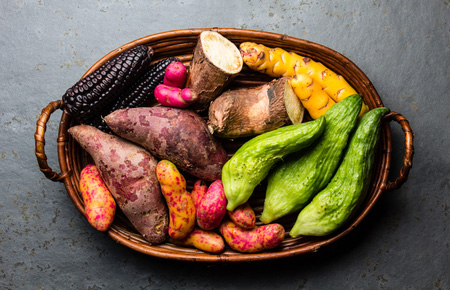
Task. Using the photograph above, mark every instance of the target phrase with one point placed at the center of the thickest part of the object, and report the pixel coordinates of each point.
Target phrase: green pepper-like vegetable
(334, 205)
(293, 183)
(251, 163)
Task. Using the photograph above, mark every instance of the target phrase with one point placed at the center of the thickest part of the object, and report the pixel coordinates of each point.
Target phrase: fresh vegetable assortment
(149, 126)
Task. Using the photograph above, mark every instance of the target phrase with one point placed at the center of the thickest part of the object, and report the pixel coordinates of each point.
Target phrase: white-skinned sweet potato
(129, 172)
(178, 135)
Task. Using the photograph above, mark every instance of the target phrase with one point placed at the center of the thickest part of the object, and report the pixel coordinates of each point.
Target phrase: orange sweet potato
(179, 201)
(99, 205)
(252, 241)
(207, 241)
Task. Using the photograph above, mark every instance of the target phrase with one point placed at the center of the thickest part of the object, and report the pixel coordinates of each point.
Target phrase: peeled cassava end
(221, 52)
(216, 61)
(294, 107)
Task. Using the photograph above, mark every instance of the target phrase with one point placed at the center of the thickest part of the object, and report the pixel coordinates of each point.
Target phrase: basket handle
(41, 126)
(409, 150)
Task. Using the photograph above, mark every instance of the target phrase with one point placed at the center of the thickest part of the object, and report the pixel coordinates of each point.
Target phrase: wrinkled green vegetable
(293, 183)
(252, 162)
(334, 205)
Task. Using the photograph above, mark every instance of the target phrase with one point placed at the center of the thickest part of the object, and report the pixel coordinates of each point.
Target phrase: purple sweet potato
(129, 172)
(178, 135)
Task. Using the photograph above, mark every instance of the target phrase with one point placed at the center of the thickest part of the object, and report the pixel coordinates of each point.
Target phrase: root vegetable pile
(149, 128)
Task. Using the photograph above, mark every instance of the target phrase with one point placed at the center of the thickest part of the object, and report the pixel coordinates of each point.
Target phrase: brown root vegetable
(178, 135)
(251, 111)
(129, 172)
(216, 61)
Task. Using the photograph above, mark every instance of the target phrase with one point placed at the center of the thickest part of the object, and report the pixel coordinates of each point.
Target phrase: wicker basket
(181, 43)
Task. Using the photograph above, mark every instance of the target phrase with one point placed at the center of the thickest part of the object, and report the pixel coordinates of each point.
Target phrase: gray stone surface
(402, 46)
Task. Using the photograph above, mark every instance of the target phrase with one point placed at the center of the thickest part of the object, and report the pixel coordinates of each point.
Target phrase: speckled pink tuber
(179, 201)
(212, 207)
(99, 205)
(243, 216)
(207, 241)
(252, 241)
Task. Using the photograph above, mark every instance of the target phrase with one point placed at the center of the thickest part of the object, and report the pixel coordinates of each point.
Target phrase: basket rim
(163, 251)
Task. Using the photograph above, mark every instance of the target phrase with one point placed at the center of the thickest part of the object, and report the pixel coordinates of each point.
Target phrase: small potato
(243, 216)
(198, 191)
(252, 241)
(212, 206)
(174, 97)
(175, 75)
(179, 201)
(207, 241)
(99, 205)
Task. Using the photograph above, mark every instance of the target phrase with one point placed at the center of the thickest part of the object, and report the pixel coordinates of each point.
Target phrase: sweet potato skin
(99, 205)
(207, 241)
(181, 207)
(212, 207)
(252, 241)
(129, 172)
(178, 135)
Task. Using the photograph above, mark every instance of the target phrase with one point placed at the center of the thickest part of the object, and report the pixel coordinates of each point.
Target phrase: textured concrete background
(402, 46)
